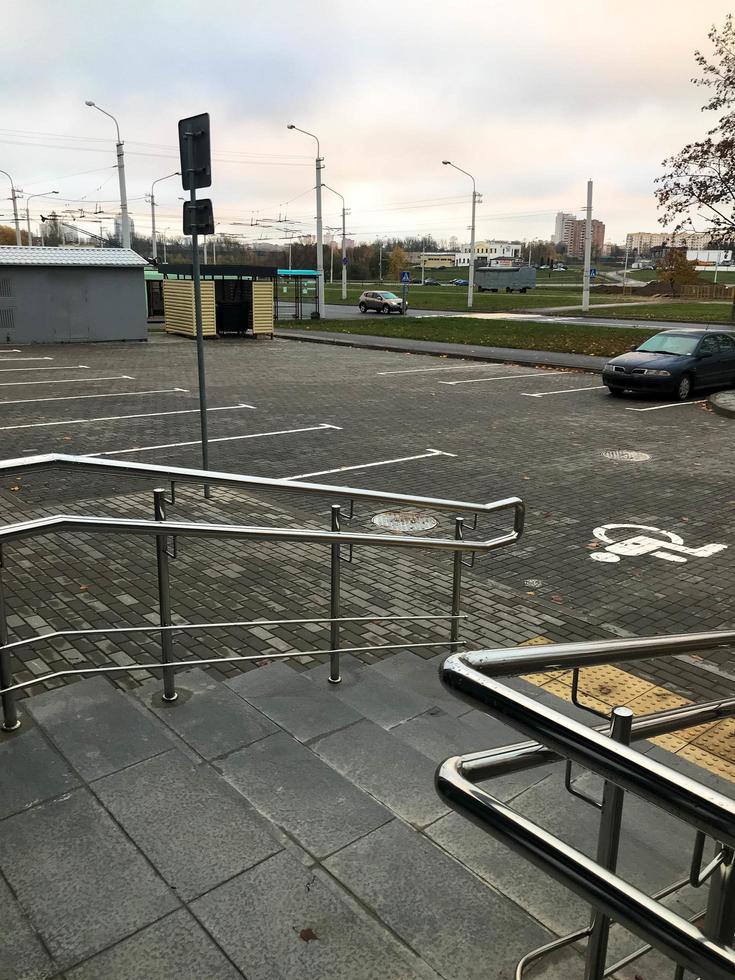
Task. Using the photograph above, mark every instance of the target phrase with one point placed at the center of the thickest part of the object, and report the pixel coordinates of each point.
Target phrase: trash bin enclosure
(67, 295)
(235, 300)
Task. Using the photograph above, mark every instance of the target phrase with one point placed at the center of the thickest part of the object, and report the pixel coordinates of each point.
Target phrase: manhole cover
(405, 521)
(625, 455)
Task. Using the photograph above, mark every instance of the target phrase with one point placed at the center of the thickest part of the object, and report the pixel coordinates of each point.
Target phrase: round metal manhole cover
(625, 455)
(405, 521)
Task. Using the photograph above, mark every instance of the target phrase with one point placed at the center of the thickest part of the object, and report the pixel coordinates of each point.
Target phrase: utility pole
(319, 235)
(13, 196)
(475, 195)
(344, 242)
(28, 213)
(124, 218)
(380, 264)
(587, 251)
(153, 213)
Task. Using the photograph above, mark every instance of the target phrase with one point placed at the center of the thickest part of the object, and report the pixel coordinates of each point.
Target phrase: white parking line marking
(14, 360)
(504, 377)
(463, 367)
(561, 391)
(13, 350)
(67, 367)
(366, 466)
(655, 408)
(67, 381)
(110, 394)
(197, 442)
(119, 418)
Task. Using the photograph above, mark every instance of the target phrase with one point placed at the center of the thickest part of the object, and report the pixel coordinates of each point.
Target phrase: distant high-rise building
(574, 237)
(641, 242)
(563, 218)
(118, 227)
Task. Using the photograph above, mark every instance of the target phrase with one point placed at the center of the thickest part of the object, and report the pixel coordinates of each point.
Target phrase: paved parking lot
(630, 524)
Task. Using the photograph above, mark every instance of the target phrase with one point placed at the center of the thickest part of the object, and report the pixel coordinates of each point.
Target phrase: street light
(28, 212)
(471, 287)
(153, 210)
(319, 242)
(344, 242)
(124, 220)
(18, 239)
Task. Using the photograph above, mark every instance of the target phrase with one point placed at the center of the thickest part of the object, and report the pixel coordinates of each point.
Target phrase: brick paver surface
(380, 407)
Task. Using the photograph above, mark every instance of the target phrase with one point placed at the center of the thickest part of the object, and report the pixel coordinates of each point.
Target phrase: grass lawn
(455, 298)
(569, 338)
(698, 312)
(725, 277)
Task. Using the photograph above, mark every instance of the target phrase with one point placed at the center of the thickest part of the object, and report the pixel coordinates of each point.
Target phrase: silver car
(381, 302)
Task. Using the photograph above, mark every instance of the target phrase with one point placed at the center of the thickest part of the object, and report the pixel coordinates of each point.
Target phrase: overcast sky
(532, 98)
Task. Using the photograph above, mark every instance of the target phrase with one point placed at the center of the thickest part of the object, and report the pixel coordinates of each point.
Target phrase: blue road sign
(344, 260)
(593, 273)
(406, 276)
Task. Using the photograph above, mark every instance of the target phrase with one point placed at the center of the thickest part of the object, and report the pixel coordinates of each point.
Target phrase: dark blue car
(675, 363)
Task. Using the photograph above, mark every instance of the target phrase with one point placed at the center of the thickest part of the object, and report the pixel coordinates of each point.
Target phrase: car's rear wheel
(616, 392)
(683, 388)
(363, 308)
(385, 309)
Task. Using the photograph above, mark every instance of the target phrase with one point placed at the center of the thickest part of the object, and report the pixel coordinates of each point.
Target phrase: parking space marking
(66, 367)
(14, 360)
(561, 391)
(108, 394)
(197, 442)
(367, 466)
(67, 381)
(655, 408)
(120, 418)
(503, 377)
(463, 367)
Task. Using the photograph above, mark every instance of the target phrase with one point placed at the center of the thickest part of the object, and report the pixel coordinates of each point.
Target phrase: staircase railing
(605, 750)
(163, 531)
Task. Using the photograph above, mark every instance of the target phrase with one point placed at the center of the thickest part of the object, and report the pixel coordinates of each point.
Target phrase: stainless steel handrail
(180, 474)
(472, 675)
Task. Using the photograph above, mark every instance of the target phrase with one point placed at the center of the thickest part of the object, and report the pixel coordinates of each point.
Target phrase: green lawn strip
(698, 312)
(454, 298)
(568, 338)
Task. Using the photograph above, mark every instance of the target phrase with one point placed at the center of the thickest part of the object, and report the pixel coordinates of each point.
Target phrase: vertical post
(30, 240)
(587, 250)
(456, 585)
(319, 234)
(608, 844)
(334, 604)
(10, 712)
(471, 277)
(165, 260)
(331, 263)
(153, 226)
(198, 314)
(18, 238)
(164, 597)
(719, 920)
(124, 219)
(344, 253)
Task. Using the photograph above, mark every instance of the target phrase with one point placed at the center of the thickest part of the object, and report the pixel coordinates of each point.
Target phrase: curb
(723, 403)
(472, 353)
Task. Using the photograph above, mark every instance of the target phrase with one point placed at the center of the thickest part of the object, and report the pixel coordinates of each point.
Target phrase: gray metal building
(66, 295)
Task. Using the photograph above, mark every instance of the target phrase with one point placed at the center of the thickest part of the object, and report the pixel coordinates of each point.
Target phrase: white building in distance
(489, 253)
(563, 219)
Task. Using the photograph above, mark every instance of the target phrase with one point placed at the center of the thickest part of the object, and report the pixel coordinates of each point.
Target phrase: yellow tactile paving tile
(711, 746)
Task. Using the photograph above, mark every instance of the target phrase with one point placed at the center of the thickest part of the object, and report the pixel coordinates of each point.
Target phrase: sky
(533, 99)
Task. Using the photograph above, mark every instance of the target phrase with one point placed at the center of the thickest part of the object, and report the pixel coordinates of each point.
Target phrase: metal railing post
(164, 597)
(10, 711)
(334, 604)
(608, 844)
(456, 586)
(719, 920)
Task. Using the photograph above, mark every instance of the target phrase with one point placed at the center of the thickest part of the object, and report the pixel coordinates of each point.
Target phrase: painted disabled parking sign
(406, 276)
(660, 544)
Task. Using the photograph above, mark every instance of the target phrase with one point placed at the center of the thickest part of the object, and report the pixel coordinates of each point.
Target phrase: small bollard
(334, 604)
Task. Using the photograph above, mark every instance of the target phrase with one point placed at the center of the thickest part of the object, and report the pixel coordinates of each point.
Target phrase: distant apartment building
(641, 242)
(574, 237)
(488, 253)
(563, 218)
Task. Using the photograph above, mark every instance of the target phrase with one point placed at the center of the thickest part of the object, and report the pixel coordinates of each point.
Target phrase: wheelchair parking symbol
(661, 544)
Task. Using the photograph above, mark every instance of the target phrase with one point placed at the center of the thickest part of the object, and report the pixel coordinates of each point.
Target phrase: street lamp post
(471, 287)
(153, 212)
(14, 198)
(344, 242)
(28, 212)
(124, 219)
(319, 237)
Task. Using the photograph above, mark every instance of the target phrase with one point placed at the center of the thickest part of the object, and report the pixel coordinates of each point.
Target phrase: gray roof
(36, 255)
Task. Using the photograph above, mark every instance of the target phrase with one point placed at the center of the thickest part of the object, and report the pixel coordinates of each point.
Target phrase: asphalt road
(399, 422)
